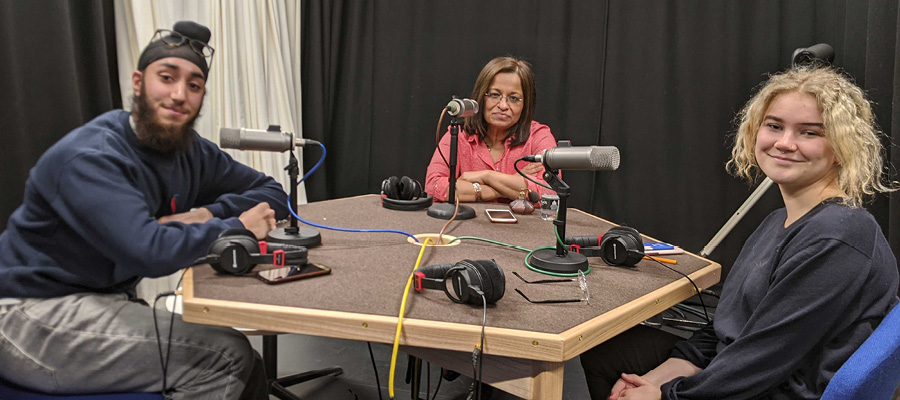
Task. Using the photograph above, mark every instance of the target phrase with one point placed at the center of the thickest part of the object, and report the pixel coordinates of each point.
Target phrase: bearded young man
(126, 196)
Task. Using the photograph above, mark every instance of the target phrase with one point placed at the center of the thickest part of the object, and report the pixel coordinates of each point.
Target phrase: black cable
(437, 139)
(478, 353)
(697, 289)
(602, 92)
(164, 362)
(417, 378)
(443, 156)
(684, 307)
(516, 167)
(438, 387)
(428, 379)
(375, 368)
(481, 353)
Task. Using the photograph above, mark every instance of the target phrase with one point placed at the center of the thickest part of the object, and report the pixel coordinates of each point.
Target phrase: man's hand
(259, 220)
(195, 216)
(642, 389)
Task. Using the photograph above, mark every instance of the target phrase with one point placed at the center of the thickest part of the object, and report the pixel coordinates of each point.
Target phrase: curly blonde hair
(848, 123)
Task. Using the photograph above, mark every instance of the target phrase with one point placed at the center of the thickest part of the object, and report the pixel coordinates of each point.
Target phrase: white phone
(501, 216)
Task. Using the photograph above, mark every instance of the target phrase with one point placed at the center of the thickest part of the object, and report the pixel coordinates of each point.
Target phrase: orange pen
(662, 260)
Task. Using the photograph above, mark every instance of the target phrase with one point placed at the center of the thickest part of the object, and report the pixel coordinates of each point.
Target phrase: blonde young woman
(810, 284)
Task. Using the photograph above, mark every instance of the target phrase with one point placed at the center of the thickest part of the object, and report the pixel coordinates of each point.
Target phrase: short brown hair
(522, 129)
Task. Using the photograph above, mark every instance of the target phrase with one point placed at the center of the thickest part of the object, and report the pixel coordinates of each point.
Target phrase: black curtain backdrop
(662, 81)
(59, 71)
(659, 80)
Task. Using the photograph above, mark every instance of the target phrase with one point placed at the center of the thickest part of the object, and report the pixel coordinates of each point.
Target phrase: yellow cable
(400, 319)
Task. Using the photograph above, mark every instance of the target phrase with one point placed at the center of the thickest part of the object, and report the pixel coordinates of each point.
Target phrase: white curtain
(254, 77)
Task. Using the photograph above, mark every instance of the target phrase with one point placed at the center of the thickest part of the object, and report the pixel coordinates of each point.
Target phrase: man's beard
(166, 139)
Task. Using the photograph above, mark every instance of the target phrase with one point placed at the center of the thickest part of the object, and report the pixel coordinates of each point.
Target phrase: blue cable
(334, 228)
(314, 168)
(318, 164)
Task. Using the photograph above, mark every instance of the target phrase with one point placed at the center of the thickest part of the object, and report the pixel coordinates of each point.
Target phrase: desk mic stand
(446, 210)
(293, 234)
(559, 260)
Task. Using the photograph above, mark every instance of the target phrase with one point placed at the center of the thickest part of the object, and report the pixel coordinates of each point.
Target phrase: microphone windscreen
(604, 158)
(229, 138)
(583, 158)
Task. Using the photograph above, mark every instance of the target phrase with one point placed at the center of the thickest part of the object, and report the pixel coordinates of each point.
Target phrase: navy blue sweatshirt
(797, 303)
(88, 219)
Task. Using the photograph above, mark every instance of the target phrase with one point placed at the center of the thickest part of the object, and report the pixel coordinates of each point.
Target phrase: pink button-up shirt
(473, 155)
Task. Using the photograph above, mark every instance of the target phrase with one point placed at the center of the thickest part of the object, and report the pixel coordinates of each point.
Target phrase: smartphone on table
(292, 273)
(501, 216)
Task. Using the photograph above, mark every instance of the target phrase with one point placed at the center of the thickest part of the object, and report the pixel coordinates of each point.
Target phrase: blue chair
(10, 391)
(873, 371)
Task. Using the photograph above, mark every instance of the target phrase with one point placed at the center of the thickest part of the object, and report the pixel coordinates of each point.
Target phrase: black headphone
(469, 280)
(404, 194)
(237, 251)
(622, 245)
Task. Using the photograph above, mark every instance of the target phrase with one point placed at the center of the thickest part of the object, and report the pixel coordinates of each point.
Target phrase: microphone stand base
(307, 237)
(547, 260)
(445, 211)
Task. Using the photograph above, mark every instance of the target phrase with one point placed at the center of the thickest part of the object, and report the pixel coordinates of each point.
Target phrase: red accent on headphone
(417, 279)
(263, 247)
(574, 247)
(278, 258)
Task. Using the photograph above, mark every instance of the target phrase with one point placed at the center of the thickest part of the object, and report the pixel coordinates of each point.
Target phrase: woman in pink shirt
(493, 139)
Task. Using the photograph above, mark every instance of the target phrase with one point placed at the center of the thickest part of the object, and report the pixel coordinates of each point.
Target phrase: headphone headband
(236, 251)
(488, 281)
(404, 194)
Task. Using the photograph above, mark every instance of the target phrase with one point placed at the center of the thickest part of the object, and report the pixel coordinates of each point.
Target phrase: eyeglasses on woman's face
(495, 97)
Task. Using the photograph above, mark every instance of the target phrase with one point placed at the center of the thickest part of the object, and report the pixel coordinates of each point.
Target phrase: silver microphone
(585, 158)
(258, 139)
(462, 107)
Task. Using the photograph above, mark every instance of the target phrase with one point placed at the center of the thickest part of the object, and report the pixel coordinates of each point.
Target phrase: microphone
(821, 52)
(256, 139)
(585, 158)
(462, 107)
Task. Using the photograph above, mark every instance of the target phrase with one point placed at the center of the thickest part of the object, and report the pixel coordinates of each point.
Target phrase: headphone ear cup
(494, 279)
(634, 234)
(235, 259)
(488, 277)
(233, 249)
(622, 245)
(407, 188)
(418, 191)
(389, 187)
